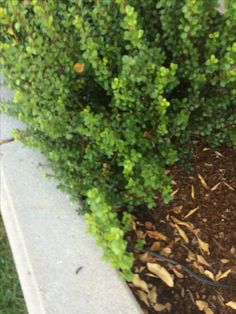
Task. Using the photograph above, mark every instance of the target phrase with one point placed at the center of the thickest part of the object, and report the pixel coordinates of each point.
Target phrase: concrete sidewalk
(49, 241)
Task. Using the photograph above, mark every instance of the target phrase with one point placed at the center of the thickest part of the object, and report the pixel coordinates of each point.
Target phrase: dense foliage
(112, 92)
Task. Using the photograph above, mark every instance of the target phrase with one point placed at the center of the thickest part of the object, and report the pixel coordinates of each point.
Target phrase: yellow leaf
(232, 304)
(228, 186)
(139, 283)
(216, 186)
(209, 274)
(218, 154)
(207, 310)
(189, 225)
(152, 295)
(224, 260)
(203, 182)
(177, 273)
(143, 297)
(161, 272)
(182, 233)
(192, 211)
(173, 193)
(221, 275)
(203, 245)
(79, 67)
(192, 192)
(201, 304)
(159, 307)
(202, 260)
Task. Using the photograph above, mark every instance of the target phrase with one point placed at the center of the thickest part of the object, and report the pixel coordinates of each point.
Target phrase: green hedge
(113, 91)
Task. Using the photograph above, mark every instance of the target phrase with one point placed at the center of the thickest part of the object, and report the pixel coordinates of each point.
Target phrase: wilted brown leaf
(182, 233)
(203, 182)
(221, 275)
(157, 235)
(177, 209)
(145, 258)
(155, 246)
(149, 225)
(161, 272)
(139, 283)
(191, 212)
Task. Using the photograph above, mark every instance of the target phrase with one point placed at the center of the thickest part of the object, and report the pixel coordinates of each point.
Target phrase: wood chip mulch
(197, 229)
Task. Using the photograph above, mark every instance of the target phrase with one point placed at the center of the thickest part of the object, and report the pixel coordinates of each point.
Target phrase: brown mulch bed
(204, 241)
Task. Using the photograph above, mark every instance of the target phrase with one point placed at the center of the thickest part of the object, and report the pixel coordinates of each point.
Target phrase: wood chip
(143, 297)
(173, 193)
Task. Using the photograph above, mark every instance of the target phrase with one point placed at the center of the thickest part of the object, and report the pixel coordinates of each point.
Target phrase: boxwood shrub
(113, 91)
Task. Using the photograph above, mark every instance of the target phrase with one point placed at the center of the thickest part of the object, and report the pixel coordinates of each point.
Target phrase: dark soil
(209, 188)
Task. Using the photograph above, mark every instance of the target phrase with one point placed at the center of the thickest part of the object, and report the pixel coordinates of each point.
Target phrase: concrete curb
(49, 242)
